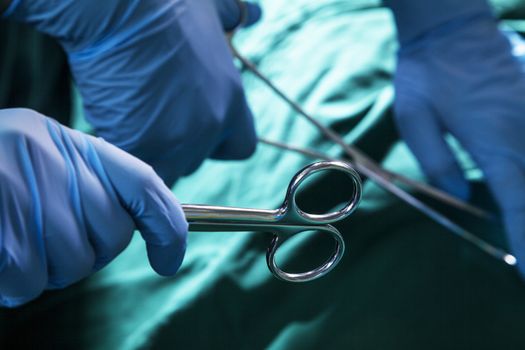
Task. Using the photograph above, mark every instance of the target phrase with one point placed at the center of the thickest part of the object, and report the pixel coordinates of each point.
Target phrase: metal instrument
(391, 187)
(283, 222)
(371, 169)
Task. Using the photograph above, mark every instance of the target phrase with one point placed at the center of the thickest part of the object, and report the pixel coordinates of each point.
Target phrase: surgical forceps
(384, 178)
(284, 222)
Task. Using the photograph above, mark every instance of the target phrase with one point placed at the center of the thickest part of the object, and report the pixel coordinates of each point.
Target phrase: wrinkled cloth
(404, 283)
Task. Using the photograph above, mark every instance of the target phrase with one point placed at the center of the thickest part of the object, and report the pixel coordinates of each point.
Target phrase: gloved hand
(156, 76)
(69, 205)
(460, 77)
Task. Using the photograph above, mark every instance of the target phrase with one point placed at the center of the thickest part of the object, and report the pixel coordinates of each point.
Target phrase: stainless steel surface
(283, 222)
(386, 184)
(361, 160)
(384, 178)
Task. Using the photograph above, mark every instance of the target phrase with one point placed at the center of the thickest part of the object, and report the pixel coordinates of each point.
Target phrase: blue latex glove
(69, 203)
(156, 76)
(459, 76)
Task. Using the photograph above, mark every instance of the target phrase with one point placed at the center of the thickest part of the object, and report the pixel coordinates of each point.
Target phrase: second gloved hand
(69, 205)
(156, 76)
(462, 78)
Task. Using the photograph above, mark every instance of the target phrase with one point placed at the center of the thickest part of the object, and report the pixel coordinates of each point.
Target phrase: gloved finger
(157, 214)
(238, 139)
(506, 179)
(108, 226)
(102, 231)
(23, 263)
(423, 135)
(69, 253)
(231, 13)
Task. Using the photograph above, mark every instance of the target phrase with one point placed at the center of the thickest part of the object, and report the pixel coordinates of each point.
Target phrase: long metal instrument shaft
(409, 199)
(358, 157)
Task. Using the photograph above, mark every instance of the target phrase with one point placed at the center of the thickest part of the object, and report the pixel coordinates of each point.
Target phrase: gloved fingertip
(254, 14)
(166, 260)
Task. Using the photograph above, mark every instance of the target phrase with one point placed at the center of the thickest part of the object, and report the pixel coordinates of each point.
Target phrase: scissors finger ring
(287, 220)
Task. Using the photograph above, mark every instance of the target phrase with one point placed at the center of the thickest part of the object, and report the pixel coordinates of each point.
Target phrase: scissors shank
(232, 215)
(276, 228)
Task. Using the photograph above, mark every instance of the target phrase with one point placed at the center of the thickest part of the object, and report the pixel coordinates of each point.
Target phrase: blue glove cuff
(414, 18)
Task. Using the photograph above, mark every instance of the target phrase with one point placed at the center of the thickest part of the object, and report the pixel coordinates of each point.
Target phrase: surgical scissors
(284, 222)
(384, 178)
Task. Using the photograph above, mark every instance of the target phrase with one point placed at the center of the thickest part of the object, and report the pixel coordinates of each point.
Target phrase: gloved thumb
(424, 136)
(153, 207)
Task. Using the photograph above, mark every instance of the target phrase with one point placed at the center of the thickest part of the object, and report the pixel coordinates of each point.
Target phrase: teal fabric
(404, 283)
